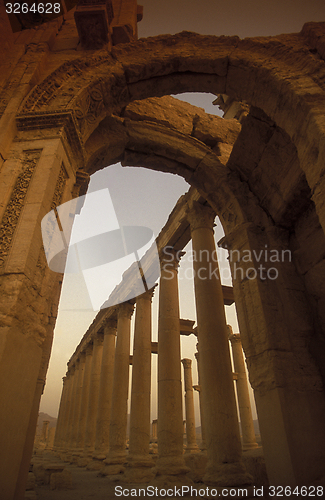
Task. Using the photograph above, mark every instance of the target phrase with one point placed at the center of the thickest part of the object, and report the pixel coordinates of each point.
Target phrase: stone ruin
(65, 114)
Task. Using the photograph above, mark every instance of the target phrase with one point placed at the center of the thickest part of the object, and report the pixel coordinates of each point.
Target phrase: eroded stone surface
(58, 105)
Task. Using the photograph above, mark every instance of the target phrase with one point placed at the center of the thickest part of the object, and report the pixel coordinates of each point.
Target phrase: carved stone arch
(158, 147)
(278, 75)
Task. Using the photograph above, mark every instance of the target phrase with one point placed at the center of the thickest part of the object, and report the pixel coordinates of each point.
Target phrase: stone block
(92, 20)
(30, 495)
(197, 463)
(95, 465)
(39, 472)
(83, 461)
(255, 465)
(49, 469)
(31, 481)
(61, 480)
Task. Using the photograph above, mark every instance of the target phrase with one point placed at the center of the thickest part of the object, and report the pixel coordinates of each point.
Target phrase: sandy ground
(88, 484)
(85, 484)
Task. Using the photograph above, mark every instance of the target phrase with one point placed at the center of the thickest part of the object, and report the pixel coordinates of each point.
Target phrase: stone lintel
(186, 326)
(228, 295)
(154, 347)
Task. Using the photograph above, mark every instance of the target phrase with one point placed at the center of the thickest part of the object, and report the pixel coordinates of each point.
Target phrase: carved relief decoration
(14, 208)
(59, 188)
(51, 87)
(56, 201)
(81, 185)
(65, 125)
(90, 107)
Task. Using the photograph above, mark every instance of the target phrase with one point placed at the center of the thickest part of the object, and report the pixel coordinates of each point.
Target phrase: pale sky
(150, 196)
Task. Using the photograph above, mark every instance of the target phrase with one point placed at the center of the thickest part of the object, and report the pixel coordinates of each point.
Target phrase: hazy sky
(152, 195)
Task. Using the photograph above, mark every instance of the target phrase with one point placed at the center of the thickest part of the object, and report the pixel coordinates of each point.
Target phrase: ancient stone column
(154, 429)
(68, 417)
(72, 423)
(117, 431)
(245, 411)
(90, 434)
(139, 462)
(59, 425)
(192, 446)
(45, 431)
(80, 443)
(66, 409)
(77, 404)
(224, 465)
(203, 445)
(170, 464)
(105, 395)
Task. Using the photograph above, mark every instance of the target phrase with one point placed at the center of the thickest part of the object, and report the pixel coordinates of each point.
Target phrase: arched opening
(274, 316)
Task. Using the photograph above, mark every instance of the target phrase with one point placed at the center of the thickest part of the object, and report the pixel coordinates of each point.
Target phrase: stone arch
(77, 97)
(249, 228)
(281, 68)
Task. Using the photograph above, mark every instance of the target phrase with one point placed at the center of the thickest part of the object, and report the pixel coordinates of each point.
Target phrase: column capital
(82, 356)
(110, 326)
(89, 348)
(98, 339)
(125, 310)
(170, 257)
(235, 338)
(187, 363)
(200, 216)
(72, 369)
(148, 295)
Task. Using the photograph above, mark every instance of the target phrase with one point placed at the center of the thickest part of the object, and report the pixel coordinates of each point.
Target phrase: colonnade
(92, 422)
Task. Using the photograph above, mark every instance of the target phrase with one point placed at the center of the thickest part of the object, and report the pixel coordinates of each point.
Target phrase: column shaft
(65, 435)
(117, 432)
(139, 460)
(72, 422)
(76, 413)
(170, 464)
(203, 445)
(192, 446)
(245, 411)
(82, 420)
(221, 422)
(105, 395)
(90, 433)
(65, 416)
(59, 424)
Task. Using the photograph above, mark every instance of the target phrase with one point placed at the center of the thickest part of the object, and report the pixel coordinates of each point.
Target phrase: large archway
(62, 129)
